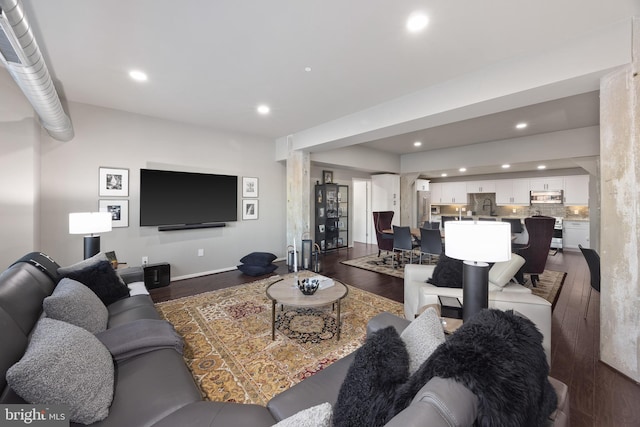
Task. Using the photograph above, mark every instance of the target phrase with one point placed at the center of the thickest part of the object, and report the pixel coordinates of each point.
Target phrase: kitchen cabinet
(385, 195)
(576, 190)
(481, 187)
(512, 192)
(546, 184)
(448, 193)
(575, 233)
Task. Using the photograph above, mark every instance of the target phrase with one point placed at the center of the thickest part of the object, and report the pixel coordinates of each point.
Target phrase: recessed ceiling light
(506, 166)
(417, 144)
(542, 167)
(443, 174)
(307, 69)
(462, 169)
(138, 75)
(417, 22)
(521, 125)
(263, 109)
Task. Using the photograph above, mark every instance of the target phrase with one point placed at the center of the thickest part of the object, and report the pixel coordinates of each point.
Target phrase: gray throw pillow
(74, 303)
(65, 365)
(316, 416)
(422, 337)
(100, 256)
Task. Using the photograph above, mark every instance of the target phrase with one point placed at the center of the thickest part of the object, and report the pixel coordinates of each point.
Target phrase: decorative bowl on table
(308, 286)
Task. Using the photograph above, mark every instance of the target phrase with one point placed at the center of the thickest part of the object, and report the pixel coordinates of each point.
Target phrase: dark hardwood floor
(599, 395)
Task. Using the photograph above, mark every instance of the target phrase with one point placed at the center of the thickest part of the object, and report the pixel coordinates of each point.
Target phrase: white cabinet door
(454, 192)
(512, 192)
(436, 193)
(546, 184)
(575, 233)
(576, 190)
(521, 195)
(481, 187)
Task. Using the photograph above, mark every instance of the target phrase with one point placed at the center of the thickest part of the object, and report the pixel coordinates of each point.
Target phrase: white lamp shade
(89, 222)
(482, 241)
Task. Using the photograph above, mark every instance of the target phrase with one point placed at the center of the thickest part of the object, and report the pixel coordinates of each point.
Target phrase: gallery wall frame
(119, 211)
(113, 182)
(249, 186)
(327, 177)
(249, 209)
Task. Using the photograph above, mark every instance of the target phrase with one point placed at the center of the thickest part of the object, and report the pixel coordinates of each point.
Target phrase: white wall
(19, 165)
(118, 139)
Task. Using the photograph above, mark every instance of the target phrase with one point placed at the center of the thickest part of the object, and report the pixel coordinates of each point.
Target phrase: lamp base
(91, 246)
(475, 288)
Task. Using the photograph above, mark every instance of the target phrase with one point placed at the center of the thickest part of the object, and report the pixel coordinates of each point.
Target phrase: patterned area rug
(548, 288)
(228, 344)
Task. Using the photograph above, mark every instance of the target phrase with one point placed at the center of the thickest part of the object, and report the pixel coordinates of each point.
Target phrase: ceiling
(211, 63)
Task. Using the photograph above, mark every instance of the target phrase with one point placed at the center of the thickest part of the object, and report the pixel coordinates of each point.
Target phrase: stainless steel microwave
(435, 210)
(554, 196)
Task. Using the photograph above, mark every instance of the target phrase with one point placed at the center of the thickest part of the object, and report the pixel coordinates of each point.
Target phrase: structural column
(620, 216)
(298, 194)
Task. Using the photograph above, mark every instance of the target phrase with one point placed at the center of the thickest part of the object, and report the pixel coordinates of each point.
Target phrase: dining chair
(486, 219)
(535, 254)
(430, 243)
(403, 242)
(382, 221)
(593, 261)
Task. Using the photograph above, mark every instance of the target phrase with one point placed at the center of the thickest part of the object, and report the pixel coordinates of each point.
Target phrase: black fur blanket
(499, 356)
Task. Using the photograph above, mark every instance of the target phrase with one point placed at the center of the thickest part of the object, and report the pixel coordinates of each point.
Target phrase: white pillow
(422, 337)
(137, 288)
(502, 272)
(316, 416)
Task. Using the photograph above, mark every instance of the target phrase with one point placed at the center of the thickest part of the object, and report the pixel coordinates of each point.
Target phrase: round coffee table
(286, 292)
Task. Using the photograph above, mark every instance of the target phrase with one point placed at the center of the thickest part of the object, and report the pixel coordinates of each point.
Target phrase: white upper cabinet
(576, 190)
(436, 193)
(512, 192)
(448, 193)
(481, 187)
(454, 192)
(546, 184)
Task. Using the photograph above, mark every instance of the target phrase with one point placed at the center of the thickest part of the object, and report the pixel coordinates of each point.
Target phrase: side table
(450, 325)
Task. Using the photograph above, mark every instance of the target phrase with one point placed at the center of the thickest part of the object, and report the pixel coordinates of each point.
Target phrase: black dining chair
(403, 242)
(486, 219)
(430, 243)
(593, 261)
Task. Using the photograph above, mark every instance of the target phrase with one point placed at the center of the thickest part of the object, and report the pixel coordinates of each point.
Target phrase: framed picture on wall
(249, 209)
(327, 177)
(249, 187)
(113, 182)
(119, 210)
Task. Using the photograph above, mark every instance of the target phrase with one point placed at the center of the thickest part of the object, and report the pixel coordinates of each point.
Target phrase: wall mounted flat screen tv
(187, 198)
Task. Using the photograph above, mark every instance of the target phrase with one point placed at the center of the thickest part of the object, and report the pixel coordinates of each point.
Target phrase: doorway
(362, 226)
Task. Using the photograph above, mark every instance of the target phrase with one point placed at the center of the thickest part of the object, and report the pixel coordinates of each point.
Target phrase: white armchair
(503, 294)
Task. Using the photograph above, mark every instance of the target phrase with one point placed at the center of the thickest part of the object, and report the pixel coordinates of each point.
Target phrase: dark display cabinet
(332, 216)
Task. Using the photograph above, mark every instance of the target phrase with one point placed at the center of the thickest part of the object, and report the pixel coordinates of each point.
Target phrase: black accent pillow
(379, 368)
(257, 270)
(102, 279)
(258, 258)
(447, 274)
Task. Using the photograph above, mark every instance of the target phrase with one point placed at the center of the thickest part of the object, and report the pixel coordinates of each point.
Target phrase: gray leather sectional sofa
(156, 389)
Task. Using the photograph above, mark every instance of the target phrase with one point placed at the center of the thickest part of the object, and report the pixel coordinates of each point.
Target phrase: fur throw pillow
(380, 366)
(448, 273)
(102, 279)
(499, 357)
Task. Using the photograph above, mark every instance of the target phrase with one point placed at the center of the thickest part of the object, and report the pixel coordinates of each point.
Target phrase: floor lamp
(89, 224)
(477, 243)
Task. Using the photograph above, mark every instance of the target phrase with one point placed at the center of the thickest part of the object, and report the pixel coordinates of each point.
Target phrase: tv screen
(175, 198)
